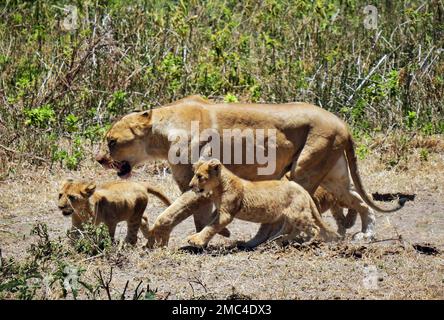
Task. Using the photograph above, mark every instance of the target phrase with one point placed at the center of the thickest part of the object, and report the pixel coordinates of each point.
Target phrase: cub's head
(125, 143)
(206, 176)
(74, 196)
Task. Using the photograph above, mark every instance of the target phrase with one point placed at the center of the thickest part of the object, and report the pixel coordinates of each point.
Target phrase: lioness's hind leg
(314, 162)
(338, 214)
(350, 218)
(338, 183)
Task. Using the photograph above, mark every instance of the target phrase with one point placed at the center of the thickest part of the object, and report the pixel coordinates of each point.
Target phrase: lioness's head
(74, 198)
(206, 176)
(124, 145)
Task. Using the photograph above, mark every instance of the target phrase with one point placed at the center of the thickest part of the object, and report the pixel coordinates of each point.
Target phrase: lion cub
(325, 201)
(110, 204)
(284, 208)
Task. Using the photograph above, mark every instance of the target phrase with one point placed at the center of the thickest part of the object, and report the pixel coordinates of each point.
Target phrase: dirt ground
(386, 269)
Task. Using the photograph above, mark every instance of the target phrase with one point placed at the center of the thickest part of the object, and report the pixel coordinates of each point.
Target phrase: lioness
(314, 145)
(110, 203)
(283, 208)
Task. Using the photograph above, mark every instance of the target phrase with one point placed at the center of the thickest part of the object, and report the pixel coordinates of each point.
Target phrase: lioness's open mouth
(123, 169)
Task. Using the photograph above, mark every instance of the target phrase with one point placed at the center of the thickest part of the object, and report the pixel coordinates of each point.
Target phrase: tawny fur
(110, 204)
(312, 144)
(325, 201)
(285, 206)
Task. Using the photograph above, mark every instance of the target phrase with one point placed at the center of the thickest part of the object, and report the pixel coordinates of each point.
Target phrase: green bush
(40, 117)
(93, 239)
(72, 84)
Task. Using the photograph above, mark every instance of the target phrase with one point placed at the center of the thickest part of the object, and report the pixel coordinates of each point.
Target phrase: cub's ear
(198, 163)
(89, 189)
(146, 114)
(214, 165)
(67, 181)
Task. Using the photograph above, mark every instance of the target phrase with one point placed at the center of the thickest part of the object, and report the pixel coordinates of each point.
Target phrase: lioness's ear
(89, 189)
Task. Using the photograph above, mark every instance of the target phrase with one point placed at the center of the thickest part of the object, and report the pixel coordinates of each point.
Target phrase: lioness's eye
(71, 197)
(112, 143)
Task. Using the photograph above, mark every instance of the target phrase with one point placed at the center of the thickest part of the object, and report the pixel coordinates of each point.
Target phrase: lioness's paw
(225, 233)
(196, 241)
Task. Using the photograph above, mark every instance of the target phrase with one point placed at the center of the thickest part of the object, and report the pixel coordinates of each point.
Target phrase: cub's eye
(199, 176)
(60, 195)
(112, 143)
(71, 197)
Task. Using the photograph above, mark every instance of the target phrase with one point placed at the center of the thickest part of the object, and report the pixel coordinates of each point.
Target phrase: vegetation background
(68, 67)
(67, 71)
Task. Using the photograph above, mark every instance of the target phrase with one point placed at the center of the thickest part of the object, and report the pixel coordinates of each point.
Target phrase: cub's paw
(361, 236)
(196, 241)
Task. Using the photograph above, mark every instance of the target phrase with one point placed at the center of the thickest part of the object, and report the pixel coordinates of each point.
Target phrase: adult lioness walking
(312, 144)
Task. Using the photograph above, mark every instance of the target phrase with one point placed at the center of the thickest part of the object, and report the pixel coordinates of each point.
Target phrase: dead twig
(93, 257)
(106, 284)
(366, 78)
(122, 296)
(138, 294)
(399, 238)
(23, 153)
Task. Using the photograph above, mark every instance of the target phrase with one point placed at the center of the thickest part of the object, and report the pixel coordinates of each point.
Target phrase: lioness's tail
(159, 194)
(326, 231)
(353, 166)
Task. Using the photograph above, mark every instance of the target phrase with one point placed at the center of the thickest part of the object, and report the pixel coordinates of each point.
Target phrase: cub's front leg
(201, 239)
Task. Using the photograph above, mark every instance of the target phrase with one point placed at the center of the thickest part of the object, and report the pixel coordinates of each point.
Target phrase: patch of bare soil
(406, 261)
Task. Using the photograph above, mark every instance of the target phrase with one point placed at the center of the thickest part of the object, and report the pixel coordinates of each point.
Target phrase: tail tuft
(402, 202)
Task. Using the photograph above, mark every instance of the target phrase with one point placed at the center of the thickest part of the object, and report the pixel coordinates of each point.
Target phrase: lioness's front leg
(202, 238)
(182, 208)
(202, 214)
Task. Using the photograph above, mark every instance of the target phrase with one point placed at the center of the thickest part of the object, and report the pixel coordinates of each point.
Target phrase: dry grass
(336, 271)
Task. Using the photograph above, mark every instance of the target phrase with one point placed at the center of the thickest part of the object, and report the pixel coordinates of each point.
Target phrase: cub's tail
(159, 194)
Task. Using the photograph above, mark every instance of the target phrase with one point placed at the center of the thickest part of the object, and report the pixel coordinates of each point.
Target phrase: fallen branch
(93, 257)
